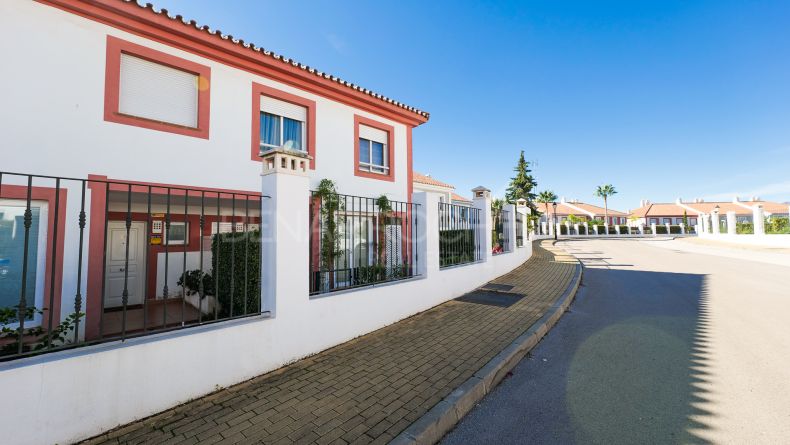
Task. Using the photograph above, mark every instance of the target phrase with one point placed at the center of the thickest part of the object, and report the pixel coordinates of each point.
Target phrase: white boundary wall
(71, 395)
(750, 240)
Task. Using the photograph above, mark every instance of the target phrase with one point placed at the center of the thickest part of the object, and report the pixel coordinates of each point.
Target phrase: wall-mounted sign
(157, 215)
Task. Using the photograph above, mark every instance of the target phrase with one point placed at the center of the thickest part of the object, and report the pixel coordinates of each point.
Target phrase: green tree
(685, 220)
(522, 185)
(546, 197)
(573, 219)
(605, 191)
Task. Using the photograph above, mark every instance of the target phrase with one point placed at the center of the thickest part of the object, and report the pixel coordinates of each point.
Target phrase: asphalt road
(660, 346)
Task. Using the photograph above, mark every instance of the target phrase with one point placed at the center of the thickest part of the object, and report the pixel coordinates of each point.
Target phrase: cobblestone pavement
(370, 389)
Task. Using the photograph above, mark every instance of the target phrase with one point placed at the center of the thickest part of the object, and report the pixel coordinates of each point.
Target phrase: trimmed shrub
(563, 229)
(743, 228)
(601, 229)
(624, 230)
(235, 255)
(661, 230)
(777, 226)
(582, 230)
(456, 246)
(674, 230)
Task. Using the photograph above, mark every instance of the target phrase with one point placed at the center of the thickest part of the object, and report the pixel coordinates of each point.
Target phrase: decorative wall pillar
(641, 228)
(481, 199)
(715, 222)
(732, 223)
(576, 228)
(682, 229)
(617, 229)
(653, 226)
(758, 216)
(285, 214)
(669, 228)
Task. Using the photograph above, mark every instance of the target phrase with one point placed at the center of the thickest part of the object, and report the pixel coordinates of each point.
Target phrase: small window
(667, 220)
(373, 150)
(282, 125)
(177, 235)
(692, 221)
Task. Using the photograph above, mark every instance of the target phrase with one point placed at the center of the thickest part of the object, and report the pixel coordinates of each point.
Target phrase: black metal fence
(357, 241)
(84, 261)
(459, 235)
(519, 230)
(501, 234)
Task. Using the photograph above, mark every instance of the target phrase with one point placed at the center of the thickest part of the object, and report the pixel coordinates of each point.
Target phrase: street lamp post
(554, 206)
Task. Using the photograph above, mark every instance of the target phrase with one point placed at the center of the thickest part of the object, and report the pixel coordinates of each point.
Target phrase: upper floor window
(158, 92)
(373, 155)
(374, 151)
(282, 125)
(150, 89)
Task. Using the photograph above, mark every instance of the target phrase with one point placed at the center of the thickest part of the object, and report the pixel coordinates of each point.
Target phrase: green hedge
(743, 228)
(777, 226)
(582, 230)
(229, 251)
(661, 230)
(456, 246)
(563, 229)
(601, 230)
(675, 230)
(623, 230)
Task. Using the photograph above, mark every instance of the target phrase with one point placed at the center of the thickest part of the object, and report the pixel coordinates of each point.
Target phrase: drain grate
(497, 287)
(491, 298)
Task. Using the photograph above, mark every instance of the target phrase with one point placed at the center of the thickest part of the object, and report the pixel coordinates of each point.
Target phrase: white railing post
(617, 229)
(285, 229)
(576, 228)
(732, 225)
(715, 222)
(669, 228)
(641, 228)
(653, 226)
(543, 229)
(758, 217)
(482, 200)
(557, 228)
(682, 229)
(587, 228)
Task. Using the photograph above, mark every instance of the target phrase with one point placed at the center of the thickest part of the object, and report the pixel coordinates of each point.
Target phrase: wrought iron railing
(459, 234)
(357, 241)
(501, 233)
(519, 229)
(84, 261)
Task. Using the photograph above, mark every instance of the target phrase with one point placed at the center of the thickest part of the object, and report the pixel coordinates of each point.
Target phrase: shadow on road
(627, 364)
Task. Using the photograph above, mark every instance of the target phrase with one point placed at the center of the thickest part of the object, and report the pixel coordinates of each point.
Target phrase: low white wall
(71, 395)
(751, 240)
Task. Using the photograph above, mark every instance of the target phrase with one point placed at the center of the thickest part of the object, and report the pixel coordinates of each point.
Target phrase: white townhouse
(149, 128)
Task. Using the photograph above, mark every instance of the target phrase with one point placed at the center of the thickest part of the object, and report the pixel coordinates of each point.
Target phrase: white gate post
(732, 223)
(758, 217)
(715, 222)
(285, 244)
(653, 226)
(482, 200)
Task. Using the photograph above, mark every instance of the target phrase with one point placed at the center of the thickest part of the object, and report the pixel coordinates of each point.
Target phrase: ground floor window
(14, 276)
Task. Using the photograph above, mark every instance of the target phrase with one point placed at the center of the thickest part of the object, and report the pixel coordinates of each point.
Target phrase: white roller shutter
(373, 134)
(159, 92)
(283, 108)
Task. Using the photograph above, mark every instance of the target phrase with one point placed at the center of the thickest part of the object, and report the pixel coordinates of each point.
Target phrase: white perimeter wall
(750, 240)
(52, 118)
(71, 395)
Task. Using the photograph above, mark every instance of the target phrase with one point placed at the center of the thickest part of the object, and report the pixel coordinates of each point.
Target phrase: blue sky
(663, 99)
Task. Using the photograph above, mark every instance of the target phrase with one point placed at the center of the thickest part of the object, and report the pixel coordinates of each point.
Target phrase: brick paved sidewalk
(370, 389)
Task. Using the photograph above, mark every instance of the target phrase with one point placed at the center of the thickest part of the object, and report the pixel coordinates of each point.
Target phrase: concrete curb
(433, 425)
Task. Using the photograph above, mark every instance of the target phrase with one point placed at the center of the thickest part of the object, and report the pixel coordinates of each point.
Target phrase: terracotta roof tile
(427, 180)
(672, 209)
(457, 197)
(273, 55)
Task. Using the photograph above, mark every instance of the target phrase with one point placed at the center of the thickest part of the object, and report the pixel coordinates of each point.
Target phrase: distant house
(673, 213)
(583, 211)
(426, 183)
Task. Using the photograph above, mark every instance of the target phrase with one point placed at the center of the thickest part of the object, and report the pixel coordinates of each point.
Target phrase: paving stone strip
(370, 389)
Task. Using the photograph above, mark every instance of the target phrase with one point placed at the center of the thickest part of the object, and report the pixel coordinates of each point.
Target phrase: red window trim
(115, 47)
(19, 192)
(259, 90)
(390, 176)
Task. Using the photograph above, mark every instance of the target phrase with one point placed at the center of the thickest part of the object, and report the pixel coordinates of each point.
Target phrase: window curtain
(292, 134)
(270, 129)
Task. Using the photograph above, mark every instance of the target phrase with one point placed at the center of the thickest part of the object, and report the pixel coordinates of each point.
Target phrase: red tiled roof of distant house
(427, 180)
(695, 208)
(572, 208)
(457, 197)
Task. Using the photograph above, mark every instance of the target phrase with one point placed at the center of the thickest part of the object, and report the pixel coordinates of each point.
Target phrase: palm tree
(546, 197)
(605, 191)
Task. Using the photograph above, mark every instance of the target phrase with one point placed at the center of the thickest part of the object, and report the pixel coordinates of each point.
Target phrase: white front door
(117, 267)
